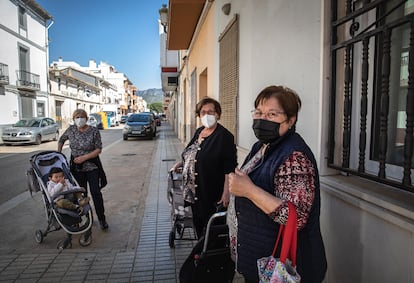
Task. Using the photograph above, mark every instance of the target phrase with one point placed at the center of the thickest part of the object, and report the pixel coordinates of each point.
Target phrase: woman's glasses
(271, 115)
(210, 112)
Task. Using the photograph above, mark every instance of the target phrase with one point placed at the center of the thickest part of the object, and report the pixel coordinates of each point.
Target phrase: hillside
(151, 95)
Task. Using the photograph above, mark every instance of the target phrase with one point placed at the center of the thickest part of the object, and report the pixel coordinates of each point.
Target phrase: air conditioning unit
(172, 81)
(169, 78)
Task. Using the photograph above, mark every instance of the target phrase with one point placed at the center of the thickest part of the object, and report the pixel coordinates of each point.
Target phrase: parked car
(92, 121)
(33, 130)
(139, 125)
(123, 119)
(98, 119)
(152, 114)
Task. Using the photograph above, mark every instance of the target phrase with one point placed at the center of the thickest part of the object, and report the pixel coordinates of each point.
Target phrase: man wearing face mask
(206, 162)
(86, 145)
(280, 168)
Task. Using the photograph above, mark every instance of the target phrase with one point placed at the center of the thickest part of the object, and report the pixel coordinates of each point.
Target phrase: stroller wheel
(85, 239)
(171, 239)
(39, 236)
(64, 244)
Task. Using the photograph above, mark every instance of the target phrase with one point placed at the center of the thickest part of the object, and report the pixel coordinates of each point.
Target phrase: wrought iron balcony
(27, 80)
(4, 74)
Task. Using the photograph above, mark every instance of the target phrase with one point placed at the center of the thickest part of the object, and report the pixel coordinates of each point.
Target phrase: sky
(122, 33)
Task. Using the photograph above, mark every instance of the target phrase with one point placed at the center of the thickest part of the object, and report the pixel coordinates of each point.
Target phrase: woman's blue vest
(257, 232)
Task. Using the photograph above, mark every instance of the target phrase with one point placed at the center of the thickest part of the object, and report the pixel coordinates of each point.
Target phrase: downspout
(48, 85)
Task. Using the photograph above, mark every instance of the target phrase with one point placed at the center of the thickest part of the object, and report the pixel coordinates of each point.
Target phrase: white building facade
(72, 89)
(109, 74)
(23, 60)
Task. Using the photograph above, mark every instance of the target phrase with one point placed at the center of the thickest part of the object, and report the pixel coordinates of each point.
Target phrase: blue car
(140, 125)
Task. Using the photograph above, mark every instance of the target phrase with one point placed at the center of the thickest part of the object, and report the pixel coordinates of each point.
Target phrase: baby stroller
(70, 221)
(210, 260)
(181, 216)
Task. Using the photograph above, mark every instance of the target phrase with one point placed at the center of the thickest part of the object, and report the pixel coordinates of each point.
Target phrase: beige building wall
(199, 61)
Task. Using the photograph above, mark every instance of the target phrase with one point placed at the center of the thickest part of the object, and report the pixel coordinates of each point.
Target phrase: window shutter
(229, 76)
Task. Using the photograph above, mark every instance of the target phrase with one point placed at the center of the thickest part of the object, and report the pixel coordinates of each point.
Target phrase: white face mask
(208, 121)
(80, 122)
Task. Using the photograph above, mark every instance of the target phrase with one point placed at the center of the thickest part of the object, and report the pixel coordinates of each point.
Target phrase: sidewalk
(152, 261)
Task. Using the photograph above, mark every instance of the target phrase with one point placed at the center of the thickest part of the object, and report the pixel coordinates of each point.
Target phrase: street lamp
(164, 16)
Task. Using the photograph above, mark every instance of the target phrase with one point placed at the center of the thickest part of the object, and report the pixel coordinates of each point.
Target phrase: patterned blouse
(294, 181)
(189, 185)
(82, 143)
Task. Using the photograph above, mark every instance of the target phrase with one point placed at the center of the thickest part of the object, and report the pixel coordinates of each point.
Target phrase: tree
(156, 107)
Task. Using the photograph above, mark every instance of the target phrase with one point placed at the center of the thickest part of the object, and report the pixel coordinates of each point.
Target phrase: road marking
(12, 203)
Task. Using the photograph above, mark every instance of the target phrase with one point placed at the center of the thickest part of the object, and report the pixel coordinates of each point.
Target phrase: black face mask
(266, 131)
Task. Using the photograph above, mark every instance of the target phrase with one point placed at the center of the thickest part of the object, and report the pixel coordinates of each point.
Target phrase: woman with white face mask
(206, 162)
(86, 145)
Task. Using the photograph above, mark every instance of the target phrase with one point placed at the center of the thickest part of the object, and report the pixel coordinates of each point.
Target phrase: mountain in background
(151, 95)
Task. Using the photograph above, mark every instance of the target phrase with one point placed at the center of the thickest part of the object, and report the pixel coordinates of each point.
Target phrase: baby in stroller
(64, 204)
(58, 184)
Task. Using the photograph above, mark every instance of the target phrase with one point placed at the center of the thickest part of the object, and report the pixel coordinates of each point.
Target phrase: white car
(92, 121)
(112, 118)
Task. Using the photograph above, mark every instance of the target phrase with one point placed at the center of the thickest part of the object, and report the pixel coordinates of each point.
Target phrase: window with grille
(372, 90)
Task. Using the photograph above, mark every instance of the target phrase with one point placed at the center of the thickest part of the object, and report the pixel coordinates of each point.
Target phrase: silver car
(34, 130)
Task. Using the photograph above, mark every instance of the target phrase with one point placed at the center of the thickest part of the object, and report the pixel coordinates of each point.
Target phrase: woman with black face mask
(280, 168)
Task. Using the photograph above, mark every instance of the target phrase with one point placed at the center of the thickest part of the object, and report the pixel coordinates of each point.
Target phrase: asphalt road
(126, 166)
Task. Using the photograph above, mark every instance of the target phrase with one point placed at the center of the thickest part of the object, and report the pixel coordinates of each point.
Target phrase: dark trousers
(92, 178)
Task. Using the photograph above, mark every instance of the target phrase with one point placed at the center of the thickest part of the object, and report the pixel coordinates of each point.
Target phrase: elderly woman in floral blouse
(86, 145)
(207, 160)
(280, 168)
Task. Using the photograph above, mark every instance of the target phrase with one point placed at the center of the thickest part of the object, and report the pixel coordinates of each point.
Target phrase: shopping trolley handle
(210, 222)
(175, 175)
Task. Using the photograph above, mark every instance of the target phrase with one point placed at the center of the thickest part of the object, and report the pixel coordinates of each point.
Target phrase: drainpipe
(47, 69)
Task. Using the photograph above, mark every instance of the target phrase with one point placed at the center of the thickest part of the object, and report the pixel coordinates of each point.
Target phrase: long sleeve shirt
(54, 188)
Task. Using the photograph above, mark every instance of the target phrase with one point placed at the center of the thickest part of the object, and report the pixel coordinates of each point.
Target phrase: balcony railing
(27, 80)
(4, 74)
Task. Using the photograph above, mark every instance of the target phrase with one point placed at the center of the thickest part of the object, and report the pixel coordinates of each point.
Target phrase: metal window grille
(372, 90)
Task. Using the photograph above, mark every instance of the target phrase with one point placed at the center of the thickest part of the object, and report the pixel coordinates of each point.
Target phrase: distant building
(117, 89)
(72, 89)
